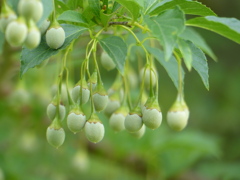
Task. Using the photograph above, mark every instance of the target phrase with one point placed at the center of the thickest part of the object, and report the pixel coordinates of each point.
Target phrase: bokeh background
(208, 149)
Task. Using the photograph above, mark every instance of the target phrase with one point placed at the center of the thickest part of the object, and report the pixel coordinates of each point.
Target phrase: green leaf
(105, 18)
(60, 7)
(47, 10)
(88, 14)
(132, 7)
(116, 6)
(148, 4)
(191, 35)
(186, 53)
(13, 4)
(116, 48)
(34, 57)
(166, 27)
(75, 4)
(170, 66)
(227, 27)
(2, 39)
(200, 63)
(188, 7)
(94, 6)
(73, 16)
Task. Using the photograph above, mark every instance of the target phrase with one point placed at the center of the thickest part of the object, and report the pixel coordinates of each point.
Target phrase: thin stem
(151, 79)
(99, 80)
(88, 53)
(137, 24)
(142, 87)
(70, 101)
(180, 86)
(147, 38)
(140, 26)
(60, 81)
(126, 94)
(54, 11)
(156, 90)
(138, 41)
(152, 59)
(91, 95)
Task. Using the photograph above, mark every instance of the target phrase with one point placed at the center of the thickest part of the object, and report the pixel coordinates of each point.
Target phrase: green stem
(88, 53)
(142, 87)
(60, 81)
(151, 79)
(70, 101)
(91, 95)
(180, 86)
(138, 41)
(126, 94)
(99, 80)
(137, 24)
(147, 38)
(156, 90)
(54, 12)
(141, 27)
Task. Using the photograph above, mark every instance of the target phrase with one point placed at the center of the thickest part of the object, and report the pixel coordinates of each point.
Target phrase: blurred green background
(208, 149)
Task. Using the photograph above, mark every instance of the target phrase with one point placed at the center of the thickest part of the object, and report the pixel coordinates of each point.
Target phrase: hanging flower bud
(44, 27)
(117, 119)
(55, 134)
(100, 98)
(85, 92)
(152, 115)
(149, 72)
(7, 15)
(30, 9)
(107, 61)
(16, 32)
(93, 80)
(113, 104)
(76, 120)
(133, 121)
(177, 116)
(139, 133)
(52, 111)
(55, 36)
(33, 37)
(94, 129)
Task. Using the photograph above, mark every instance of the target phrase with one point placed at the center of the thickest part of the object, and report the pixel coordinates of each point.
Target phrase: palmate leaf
(188, 7)
(116, 48)
(166, 27)
(227, 27)
(34, 57)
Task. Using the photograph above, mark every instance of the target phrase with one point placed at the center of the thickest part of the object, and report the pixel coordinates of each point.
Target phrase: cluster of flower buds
(113, 103)
(21, 28)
